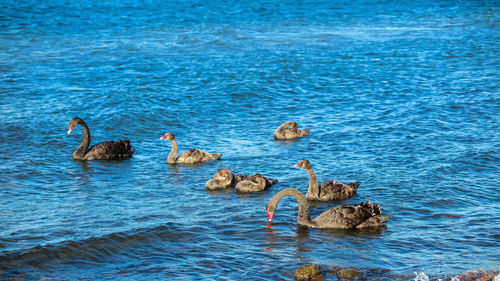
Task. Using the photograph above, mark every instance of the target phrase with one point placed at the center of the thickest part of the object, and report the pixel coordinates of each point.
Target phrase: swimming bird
(108, 150)
(344, 217)
(254, 183)
(289, 130)
(191, 156)
(329, 190)
(222, 180)
(226, 179)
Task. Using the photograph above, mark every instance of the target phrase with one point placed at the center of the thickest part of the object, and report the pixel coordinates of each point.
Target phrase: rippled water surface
(401, 96)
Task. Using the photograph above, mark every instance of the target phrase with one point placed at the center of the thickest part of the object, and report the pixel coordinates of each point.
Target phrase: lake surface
(400, 96)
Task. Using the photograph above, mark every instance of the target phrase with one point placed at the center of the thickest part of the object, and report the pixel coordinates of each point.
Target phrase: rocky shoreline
(316, 273)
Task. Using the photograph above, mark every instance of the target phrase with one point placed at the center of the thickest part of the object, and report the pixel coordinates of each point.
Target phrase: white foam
(421, 277)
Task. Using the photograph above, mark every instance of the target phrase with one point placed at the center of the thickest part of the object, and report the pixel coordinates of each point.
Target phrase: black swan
(226, 179)
(289, 130)
(347, 216)
(191, 156)
(330, 190)
(108, 150)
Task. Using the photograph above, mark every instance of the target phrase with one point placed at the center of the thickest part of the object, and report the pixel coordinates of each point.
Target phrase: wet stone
(309, 272)
(476, 276)
(347, 273)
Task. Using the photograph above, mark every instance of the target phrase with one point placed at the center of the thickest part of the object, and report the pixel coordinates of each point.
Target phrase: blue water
(402, 96)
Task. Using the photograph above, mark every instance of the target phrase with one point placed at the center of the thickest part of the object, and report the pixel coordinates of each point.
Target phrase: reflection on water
(371, 231)
(302, 232)
(86, 167)
(174, 167)
(290, 141)
(225, 193)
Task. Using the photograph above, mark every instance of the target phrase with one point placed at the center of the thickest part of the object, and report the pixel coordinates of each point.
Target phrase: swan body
(343, 217)
(266, 183)
(222, 180)
(191, 156)
(289, 130)
(327, 191)
(108, 150)
(226, 179)
(254, 183)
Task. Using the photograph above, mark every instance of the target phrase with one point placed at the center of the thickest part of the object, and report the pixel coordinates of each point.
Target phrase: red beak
(164, 137)
(298, 164)
(70, 129)
(270, 215)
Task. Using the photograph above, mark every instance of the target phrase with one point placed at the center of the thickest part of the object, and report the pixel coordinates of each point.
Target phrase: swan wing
(193, 156)
(335, 190)
(348, 216)
(109, 150)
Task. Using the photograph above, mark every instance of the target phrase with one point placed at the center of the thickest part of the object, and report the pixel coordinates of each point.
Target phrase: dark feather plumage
(344, 217)
(337, 190)
(110, 150)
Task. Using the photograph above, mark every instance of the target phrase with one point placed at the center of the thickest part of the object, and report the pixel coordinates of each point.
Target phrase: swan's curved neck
(285, 125)
(303, 217)
(172, 157)
(261, 182)
(229, 180)
(313, 190)
(84, 145)
(282, 127)
(225, 181)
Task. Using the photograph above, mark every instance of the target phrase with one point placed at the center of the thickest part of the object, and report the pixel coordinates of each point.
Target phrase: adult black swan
(107, 150)
(347, 216)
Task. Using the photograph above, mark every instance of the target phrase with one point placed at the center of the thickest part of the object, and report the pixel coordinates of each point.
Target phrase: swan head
(270, 212)
(304, 164)
(168, 136)
(72, 124)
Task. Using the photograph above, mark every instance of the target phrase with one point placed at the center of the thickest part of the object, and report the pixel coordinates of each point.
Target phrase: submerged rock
(309, 272)
(349, 272)
(476, 276)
